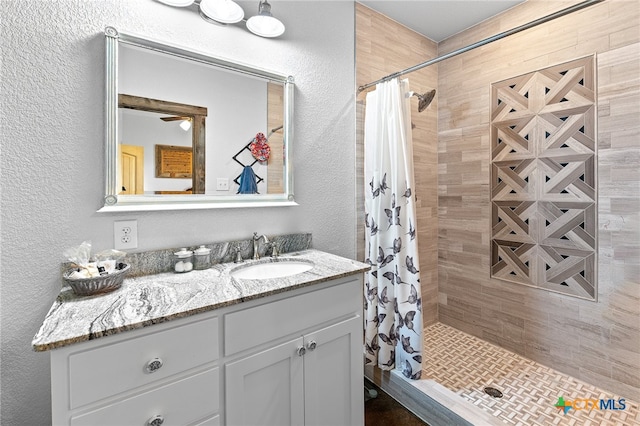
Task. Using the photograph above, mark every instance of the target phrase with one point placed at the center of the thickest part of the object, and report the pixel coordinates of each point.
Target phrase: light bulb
(177, 3)
(185, 125)
(224, 11)
(264, 24)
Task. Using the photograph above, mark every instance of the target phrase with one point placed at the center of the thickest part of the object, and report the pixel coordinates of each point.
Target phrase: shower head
(424, 100)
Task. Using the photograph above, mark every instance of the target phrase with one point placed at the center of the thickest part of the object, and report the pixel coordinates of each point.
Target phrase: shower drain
(493, 392)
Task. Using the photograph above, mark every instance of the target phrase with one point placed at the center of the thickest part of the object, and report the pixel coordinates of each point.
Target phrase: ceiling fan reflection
(185, 122)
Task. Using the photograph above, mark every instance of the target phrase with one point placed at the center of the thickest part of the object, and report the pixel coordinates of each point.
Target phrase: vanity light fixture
(223, 11)
(264, 24)
(177, 3)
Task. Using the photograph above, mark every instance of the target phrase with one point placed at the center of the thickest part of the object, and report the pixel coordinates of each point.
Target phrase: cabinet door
(266, 388)
(333, 371)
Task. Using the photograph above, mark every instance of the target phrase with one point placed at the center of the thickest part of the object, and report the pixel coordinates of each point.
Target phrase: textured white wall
(52, 157)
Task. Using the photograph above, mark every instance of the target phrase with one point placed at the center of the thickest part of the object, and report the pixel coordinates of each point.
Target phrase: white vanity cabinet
(164, 374)
(333, 379)
(293, 358)
(307, 367)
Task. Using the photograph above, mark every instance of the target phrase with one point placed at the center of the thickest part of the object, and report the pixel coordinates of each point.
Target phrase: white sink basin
(258, 271)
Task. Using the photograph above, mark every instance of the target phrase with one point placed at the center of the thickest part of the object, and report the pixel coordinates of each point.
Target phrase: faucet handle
(275, 250)
(236, 248)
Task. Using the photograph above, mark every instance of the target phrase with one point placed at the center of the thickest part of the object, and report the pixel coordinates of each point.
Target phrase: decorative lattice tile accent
(543, 179)
(530, 391)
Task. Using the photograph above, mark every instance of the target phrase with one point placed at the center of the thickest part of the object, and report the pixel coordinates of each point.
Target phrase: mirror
(186, 130)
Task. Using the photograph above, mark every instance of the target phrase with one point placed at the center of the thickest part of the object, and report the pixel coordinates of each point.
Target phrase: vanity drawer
(110, 369)
(182, 402)
(213, 421)
(254, 326)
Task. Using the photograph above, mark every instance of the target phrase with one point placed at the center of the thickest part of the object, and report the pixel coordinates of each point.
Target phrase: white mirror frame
(123, 203)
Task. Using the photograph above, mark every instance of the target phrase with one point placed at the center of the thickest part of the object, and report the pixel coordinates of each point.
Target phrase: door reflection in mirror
(152, 123)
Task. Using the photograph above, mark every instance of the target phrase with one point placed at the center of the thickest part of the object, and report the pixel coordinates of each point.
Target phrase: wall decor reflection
(543, 179)
(173, 161)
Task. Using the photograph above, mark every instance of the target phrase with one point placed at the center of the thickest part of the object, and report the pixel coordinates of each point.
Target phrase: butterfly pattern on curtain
(393, 314)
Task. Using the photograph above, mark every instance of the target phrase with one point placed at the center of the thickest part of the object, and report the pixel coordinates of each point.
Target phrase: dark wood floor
(386, 411)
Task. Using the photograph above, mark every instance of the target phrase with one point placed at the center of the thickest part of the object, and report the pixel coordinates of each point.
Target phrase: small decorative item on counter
(260, 149)
(183, 260)
(94, 275)
(202, 258)
(99, 284)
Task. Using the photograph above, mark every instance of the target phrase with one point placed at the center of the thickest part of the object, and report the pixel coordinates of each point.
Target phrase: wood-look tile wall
(598, 342)
(383, 47)
(275, 119)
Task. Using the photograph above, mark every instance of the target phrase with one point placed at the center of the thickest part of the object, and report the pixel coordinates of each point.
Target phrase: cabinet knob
(153, 365)
(155, 420)
(301, 351)
(312, 345)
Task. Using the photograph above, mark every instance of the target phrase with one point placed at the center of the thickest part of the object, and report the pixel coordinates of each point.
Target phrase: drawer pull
(155, 420)
(301, 351)
(154, 365)
(311, 345)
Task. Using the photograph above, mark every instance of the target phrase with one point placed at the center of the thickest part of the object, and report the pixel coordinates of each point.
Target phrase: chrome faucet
(256, 244)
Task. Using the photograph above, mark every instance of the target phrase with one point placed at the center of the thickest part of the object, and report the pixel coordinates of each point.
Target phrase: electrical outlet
(222, 184)
(125, 234)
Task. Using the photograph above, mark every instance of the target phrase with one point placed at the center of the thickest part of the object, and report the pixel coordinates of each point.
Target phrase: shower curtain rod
(491, 39)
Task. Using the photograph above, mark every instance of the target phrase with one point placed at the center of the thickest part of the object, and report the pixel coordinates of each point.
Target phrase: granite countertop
(151, 299)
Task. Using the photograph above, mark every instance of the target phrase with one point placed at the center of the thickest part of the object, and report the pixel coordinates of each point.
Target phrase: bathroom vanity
(207, 348)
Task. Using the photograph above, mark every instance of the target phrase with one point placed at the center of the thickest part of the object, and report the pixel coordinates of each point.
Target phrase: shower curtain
(393, 314)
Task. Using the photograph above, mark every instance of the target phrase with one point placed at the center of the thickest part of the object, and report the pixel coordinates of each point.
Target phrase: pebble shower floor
(466, 365)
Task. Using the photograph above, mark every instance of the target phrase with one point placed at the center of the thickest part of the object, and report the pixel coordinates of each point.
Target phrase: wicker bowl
(96, 285)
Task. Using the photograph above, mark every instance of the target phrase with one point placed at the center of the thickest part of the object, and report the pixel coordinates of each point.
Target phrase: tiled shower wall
(383, 47)
(598, 342)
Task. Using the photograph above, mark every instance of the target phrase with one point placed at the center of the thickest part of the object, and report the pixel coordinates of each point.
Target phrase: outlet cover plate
(222, 184)
(125, 234)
